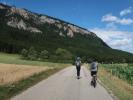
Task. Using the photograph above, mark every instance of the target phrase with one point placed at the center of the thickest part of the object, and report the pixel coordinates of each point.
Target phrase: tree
(32, 54)
(44, 54)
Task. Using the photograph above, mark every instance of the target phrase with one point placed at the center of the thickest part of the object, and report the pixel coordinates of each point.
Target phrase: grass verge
(121, 89)
(17, 59)
(7, 91)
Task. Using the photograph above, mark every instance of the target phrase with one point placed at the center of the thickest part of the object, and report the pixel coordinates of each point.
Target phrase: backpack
(78, 63)
(94, 65)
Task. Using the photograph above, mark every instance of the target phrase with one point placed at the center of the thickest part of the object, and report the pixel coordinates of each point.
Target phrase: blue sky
(112, 20)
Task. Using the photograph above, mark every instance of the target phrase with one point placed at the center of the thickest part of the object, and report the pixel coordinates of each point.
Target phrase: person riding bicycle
(78, 66)
(94, 68)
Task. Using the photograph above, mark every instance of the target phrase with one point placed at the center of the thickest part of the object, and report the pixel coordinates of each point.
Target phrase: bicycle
(94, 82)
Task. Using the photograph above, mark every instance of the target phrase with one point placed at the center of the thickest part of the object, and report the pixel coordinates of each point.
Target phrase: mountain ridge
(45, 15)
(21, 28)
(41, 20)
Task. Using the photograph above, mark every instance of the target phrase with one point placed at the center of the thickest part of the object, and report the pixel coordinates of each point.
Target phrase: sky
(111, 20)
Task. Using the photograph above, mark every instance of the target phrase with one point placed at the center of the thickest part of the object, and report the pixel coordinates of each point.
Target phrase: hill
(20, 28)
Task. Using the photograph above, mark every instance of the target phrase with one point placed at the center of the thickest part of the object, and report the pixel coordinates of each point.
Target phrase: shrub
(32, 54)
(63, 54)
(24, 53)
(44, 54)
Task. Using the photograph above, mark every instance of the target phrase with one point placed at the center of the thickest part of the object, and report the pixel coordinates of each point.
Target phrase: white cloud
(116, 39)
(109, 18)
(125, 21)
(126, 11)
(121, 42)
(113, 19)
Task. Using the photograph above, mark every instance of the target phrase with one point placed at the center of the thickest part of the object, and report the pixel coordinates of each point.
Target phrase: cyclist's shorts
(93, 73)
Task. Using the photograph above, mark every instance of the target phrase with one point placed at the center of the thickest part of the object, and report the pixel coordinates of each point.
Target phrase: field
(117, 78)
(17, 74)
(13, 68)
(123, 71)
(10, 73)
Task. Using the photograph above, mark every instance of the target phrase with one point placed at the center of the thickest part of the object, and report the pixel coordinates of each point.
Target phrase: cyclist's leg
(96, 74)
(79, 70)
(92, 73)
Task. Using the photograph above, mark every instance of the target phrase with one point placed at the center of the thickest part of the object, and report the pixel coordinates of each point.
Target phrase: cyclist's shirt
(94, 66)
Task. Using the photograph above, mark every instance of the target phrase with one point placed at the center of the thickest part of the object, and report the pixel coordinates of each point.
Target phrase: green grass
(120, 88)
(17, 59)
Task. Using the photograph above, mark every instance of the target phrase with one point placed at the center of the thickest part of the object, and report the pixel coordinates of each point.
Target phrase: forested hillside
(22, 29)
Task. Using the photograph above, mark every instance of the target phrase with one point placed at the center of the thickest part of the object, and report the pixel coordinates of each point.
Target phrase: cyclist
(94, 68)
(78, 66)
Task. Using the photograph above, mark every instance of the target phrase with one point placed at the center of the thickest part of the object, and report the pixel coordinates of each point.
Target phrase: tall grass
(121, 89)
(122, 71)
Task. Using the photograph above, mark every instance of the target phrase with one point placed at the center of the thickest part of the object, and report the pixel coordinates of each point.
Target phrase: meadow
(18, 59)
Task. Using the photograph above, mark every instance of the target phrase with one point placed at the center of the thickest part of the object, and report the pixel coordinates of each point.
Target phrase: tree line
(60, 55)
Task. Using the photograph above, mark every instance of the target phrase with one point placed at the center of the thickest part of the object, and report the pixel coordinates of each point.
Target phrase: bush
(24, 53)
(44, 54)
(32, 54)
(63, 54)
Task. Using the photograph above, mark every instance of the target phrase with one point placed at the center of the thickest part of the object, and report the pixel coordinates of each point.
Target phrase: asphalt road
(65, 86)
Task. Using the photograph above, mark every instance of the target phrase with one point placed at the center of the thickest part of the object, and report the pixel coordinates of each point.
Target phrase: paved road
(64, 86)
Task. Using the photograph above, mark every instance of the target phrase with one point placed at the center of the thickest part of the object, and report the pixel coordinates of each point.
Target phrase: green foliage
(124, 72)
(63, 54)
(32, 54)
(60, 55)
(44, 54)
(24, 52)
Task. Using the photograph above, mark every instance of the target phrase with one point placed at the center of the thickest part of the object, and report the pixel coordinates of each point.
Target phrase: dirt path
(64, 86)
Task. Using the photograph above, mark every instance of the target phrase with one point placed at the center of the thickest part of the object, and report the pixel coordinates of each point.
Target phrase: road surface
(65, 86)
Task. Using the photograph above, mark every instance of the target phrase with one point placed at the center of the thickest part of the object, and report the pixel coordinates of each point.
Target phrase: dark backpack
(78, 63)
(93, 66)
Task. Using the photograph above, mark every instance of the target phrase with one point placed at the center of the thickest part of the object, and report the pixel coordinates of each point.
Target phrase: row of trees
(59, 54)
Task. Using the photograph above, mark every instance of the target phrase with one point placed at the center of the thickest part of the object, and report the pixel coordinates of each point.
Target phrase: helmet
(78, 58)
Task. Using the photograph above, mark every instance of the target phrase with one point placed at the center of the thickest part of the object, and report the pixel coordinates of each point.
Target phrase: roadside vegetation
(122, 71)
(117, 78)
(17, 74)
